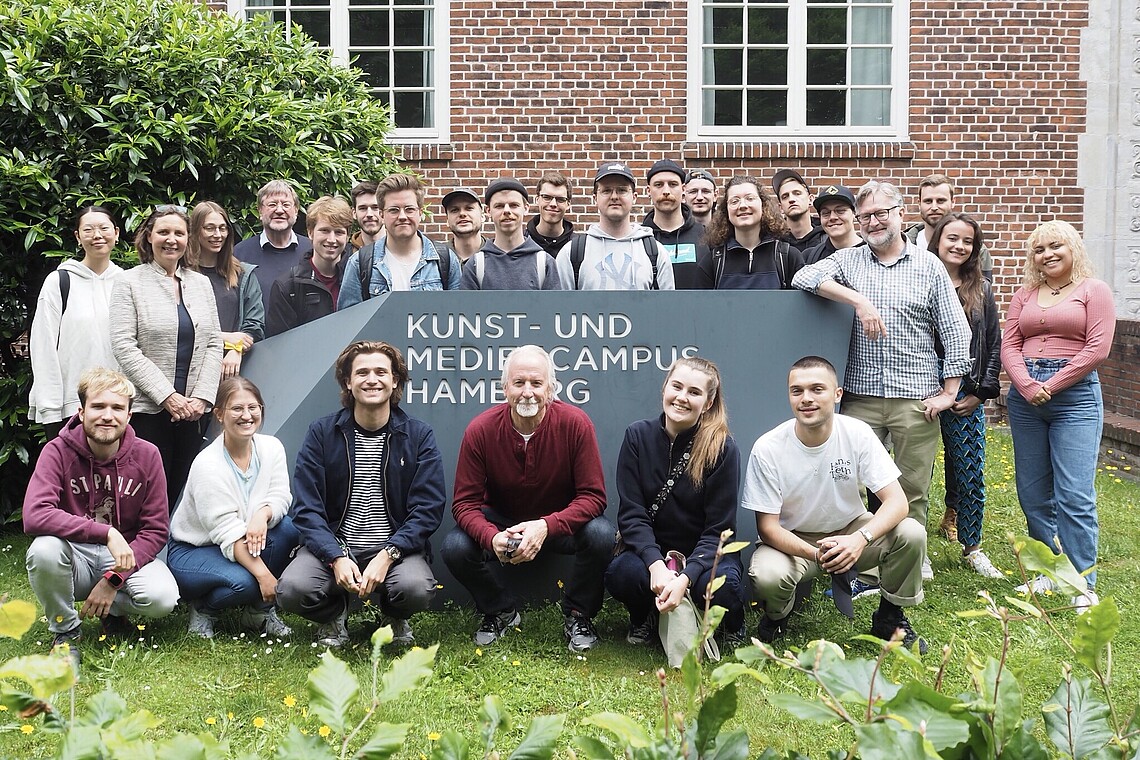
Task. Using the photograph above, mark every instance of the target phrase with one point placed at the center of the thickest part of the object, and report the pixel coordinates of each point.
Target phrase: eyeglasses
(214, 229)
(838, 211)
(253, 409)
(105, 229)
(283, 205)
(736, 200)
(619, 192)
(881, 215)
(397, 210)
(560, 200)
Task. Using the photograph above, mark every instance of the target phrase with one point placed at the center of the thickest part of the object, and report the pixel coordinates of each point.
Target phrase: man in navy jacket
(368, 493)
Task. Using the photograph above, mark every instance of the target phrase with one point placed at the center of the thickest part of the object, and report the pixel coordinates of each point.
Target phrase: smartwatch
(114, 579)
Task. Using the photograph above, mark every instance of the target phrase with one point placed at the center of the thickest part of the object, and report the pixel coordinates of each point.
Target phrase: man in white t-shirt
(803, 482)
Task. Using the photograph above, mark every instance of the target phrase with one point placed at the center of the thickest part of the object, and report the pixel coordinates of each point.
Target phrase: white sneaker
(263, 622)
(927, 570)
(1040, 585)
(1082, 602)
(980, 564)
(201, 624)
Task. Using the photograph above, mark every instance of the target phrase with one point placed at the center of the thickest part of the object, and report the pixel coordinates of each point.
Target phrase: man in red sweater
(530, 479)
(96, 503)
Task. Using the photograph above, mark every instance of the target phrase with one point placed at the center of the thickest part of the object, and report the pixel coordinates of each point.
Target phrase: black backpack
(578, 255)
(366, 255)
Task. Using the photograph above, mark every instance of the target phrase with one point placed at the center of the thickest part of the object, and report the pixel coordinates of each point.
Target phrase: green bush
(139, 102)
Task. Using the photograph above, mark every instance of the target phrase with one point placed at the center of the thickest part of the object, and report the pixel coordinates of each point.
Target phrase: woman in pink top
(1058, 330)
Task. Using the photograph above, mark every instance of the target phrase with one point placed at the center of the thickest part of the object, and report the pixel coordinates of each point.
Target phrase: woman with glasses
(745, 250)
(230, 536)
(165, 336)
(71, 331)
(1058, 330)
(241, 311)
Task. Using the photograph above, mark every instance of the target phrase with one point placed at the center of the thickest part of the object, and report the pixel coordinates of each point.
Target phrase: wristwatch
(867, 535)
(114, 579)
(393, 552)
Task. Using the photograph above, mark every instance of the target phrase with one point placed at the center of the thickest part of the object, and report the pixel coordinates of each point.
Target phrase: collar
(292, 241)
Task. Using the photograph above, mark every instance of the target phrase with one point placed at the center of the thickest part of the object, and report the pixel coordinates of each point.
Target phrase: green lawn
(247, 692)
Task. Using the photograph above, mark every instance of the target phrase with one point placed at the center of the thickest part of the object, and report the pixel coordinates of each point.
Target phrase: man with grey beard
(529, 479)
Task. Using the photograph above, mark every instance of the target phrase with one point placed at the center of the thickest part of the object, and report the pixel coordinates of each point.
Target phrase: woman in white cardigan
(230, 536)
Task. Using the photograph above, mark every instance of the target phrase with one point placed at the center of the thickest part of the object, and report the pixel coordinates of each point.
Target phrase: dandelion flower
(229, 716)
(259, 722)
(478, 652)
(516, 663)
(289, 701)
(141, 626)
(560, 583)
(433, 736)
(211, 720)
(324, 731)
(27, 728)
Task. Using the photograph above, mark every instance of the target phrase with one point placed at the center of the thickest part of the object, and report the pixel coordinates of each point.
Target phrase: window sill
(693, 150)
(425, 152)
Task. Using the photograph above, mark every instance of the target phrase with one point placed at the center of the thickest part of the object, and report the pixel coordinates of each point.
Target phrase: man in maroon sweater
(530, 479)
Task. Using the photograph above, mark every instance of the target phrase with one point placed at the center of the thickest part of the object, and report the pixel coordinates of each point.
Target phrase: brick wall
(1120, 383)
(996, 102)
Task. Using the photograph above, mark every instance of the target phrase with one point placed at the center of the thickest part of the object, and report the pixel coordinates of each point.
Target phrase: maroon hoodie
(77, 498)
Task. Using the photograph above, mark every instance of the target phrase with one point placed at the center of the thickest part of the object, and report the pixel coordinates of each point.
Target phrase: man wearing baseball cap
(836, 207)
(795, 203)
(615, 253)
(511, 261)
(673, 224)
(701, 194)
(465, 220)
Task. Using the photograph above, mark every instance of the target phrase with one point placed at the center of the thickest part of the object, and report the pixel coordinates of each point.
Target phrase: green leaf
(1036, 558)
(1007, 701)
(492, 717)
(386, 741)
(187, 747)
(691, 674)
(730, 746)
(803, 709)
(1024, 606)
(45, 674)
(16, 617)
(623, 727)
(928, 711)
(1094, 631)
(1023, 745)
(298, 745)
(736, 546)
(407, 672)
(850, 680)
(332, 689)
(718, 707)
(728, 672)
(541, 738)
(1076, 718)
(593, 748)
(717, 582)
(885, 741)
(451, 746)
(81, 743)
(381, 638)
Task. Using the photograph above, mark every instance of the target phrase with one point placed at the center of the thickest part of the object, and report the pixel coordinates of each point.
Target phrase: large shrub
(138, 102)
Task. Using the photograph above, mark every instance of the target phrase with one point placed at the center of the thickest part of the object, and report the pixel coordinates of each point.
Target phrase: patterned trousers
(964, 452)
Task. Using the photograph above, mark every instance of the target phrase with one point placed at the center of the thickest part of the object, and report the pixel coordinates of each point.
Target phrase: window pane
(724, 26)
(826, 107)
(871, 66)
(264, 4)
(269, 17)
(412, 28)
(375, 67)
(870, 108)
(315, 24)
(368, 29)
(767, 66)
(827, 66)
(767, 108)
(723, 107)
(767, 26)
(724, 66)
(870, 26)
(412, 69)
(827, 26)
(413, 110)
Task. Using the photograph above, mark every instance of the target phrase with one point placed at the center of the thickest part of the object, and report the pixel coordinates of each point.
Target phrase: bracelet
(239, 346)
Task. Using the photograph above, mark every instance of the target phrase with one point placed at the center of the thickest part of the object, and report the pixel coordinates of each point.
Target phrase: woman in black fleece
(689, 443)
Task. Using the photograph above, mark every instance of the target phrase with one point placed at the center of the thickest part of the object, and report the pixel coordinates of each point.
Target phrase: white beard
(526, 408)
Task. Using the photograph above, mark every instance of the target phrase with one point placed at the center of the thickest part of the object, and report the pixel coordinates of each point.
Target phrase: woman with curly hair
(745, 251)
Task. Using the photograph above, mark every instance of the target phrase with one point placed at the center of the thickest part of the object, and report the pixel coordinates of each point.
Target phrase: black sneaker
(117, 627)
(732, 639)
(642, 633)
(495, 625)
(71, 639)
(771, 629)
(579, 632)
(884, 628)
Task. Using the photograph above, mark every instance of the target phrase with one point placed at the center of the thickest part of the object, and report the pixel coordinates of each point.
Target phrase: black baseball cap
(833, 193)
(666, 165)
(614, 169)
(505, 183)
(460, 192)
(783, 176)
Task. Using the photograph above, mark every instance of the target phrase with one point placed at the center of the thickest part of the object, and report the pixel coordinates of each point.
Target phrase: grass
(227, 685)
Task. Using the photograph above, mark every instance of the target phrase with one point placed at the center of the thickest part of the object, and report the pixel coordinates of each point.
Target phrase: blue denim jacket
(426, 276)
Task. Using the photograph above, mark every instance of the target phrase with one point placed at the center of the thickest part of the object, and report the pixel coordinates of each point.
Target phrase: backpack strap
(783, 252)
(444, 263)
(650, 244)
(577, 255)
(540, 265)
(364, 259)
(64, 292)
(478, 257)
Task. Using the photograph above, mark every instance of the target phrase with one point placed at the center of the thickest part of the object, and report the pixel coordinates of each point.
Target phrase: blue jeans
(1055, 450)
(627, 579)
(205, 575)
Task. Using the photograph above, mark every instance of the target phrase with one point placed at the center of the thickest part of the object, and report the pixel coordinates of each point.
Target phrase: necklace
(1057, 291)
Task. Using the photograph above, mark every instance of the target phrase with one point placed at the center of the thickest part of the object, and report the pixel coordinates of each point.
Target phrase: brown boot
(948, 529)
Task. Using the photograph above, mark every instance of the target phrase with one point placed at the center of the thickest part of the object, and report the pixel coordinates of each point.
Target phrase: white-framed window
(401, 45)
(798, 69)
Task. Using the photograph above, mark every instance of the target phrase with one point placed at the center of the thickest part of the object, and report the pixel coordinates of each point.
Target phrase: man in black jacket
(673, 224)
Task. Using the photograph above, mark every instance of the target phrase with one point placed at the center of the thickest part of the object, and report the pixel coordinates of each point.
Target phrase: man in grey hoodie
(511, 261)
(615, 253)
